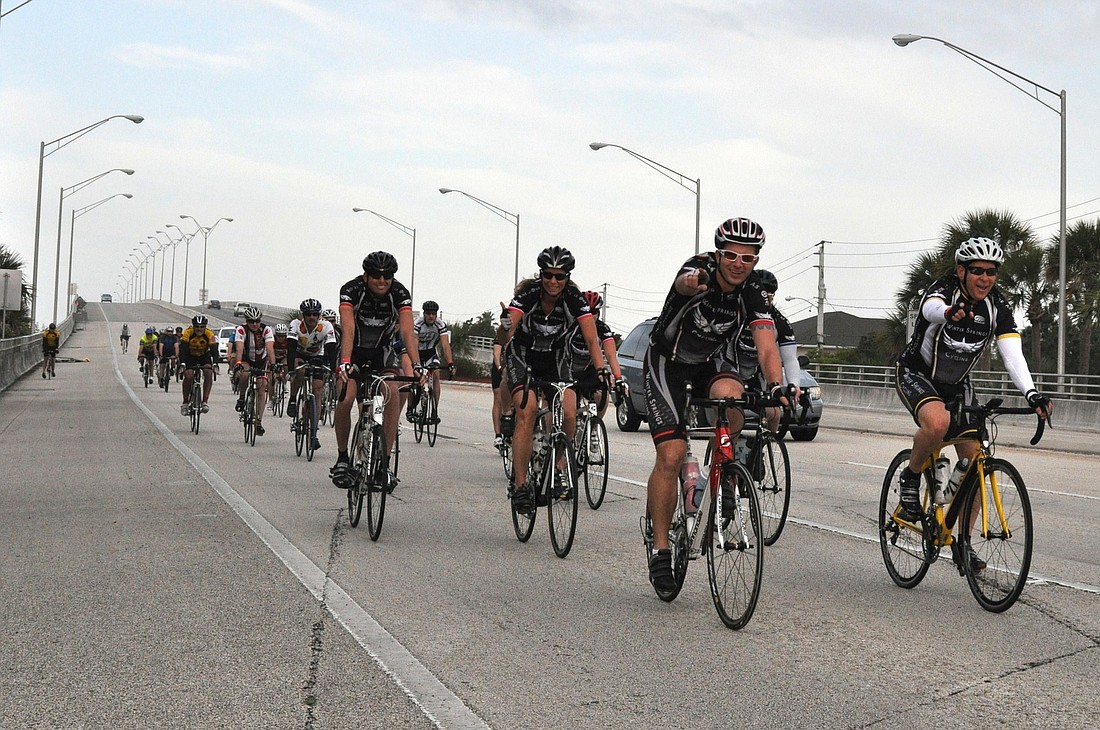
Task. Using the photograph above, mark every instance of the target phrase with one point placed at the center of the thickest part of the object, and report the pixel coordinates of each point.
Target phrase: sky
(285, 114)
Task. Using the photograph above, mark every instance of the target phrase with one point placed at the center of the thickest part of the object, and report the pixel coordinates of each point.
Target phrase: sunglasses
(379, 275)
(548, 275)
(745, 258)
(982, 271)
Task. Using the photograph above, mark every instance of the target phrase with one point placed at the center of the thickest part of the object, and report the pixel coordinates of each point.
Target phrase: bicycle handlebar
(993, 408)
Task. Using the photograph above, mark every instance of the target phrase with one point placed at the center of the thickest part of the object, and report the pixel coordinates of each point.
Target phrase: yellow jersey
(196, 342)
(50, 338)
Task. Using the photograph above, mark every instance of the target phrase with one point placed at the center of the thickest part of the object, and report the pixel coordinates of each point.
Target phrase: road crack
(317, 633)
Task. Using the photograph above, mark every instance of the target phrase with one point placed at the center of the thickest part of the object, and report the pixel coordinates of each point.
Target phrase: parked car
(238, 310)
(106, 298)
(224, 333)
(632, 411)
(214, 304)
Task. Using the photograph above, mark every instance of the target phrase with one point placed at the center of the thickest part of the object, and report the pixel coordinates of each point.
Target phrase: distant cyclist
(504, 419)
(51, 342)
(255, 350)
(147, 348)
(431, 334)
(959, 316)
(311, 341)
(166, 351)
(589, 383)
(124, 338)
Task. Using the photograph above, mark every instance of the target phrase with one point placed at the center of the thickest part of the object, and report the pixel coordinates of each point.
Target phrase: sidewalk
(131, 595)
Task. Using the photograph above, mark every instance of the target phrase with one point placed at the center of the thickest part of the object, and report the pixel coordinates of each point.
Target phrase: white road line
(439, 704)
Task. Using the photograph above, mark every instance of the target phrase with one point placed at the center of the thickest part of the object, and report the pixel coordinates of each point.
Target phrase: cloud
(151, 55)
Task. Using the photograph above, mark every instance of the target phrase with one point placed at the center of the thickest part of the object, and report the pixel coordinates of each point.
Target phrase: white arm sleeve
(791, 369)
(933, 310)
(1012, 353)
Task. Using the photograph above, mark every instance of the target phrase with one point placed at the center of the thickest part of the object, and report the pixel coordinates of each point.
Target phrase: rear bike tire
(735, 568)
(595, 474)
(773, 466)
(903, 547)
(432, 426)
(1007, 554)
(678, 543)
(506, 457)
(561, 503)
(420, 417)
(376, 496)
(311, 425)
(355, 492)
(524, 522)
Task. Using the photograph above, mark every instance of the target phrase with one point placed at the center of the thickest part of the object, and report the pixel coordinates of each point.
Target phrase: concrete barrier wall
(1078, 415)
(20, 355)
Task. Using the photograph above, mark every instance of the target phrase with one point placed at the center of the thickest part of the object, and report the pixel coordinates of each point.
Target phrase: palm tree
(18, 322)
(1025, 284)
(1082, 282)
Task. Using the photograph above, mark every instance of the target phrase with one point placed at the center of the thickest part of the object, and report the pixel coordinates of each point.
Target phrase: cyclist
(255, 350)
(544, 311)
(740, 352)
(311, 340)
(166, 351)
(710, 301)
(503, 418)
(330, 315)
(51, 341)
(373, 307)
(431, 333)
(147, 348)
(278, 367)
(124, 337)
(959, 315)
(197, 346)
(584, 372)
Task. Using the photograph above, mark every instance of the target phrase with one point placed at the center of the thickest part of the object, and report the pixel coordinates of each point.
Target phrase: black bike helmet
(380, 261)
(430, 306)
(767, 280)
(557, 257)
(310, 306)
(739, 230)
(199, 321)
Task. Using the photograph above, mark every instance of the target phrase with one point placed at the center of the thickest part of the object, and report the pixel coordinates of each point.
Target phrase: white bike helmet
(980, 249)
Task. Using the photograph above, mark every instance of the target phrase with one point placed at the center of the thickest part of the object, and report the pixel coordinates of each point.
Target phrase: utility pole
(603, 314)
(821, 295)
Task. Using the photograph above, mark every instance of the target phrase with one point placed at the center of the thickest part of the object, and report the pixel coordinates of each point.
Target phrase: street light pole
(498, 211)
(186, 238)
(904, 39)
(72, 224)
(42, 155)
(205, 231)
(676, 177)
(820, 318)
(408, 232)
(152, 277)
(172, 279)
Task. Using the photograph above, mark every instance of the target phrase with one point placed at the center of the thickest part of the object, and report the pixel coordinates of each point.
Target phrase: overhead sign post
(10, 296)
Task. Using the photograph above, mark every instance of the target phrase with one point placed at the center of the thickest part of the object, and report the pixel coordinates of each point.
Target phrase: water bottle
(378, 409)
(690, 477)
(956, 480)
(942, 474)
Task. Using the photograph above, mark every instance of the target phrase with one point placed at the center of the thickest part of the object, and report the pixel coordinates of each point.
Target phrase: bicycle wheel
(1004, 544)
(772, 473)
(506, 457)
(524, 522)
(355, 493)
(166, 379)
(330, 398)
(196, 401)
(310, 425)
(432, 426)
(595, 465)
(902, 546)
(560, 489)
(735, 548)
(678, 543)
(376, 496)
(250, 417)
(145, 374)
(420, 416)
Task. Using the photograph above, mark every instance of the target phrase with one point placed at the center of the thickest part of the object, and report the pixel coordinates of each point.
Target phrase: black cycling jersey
(947, 352)
(375, 319)
(542, 331)
(579, 356)
(693, 329)
(740, 352)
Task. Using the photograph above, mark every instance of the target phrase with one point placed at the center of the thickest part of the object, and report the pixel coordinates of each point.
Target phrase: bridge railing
(986, 382)
(19, 355)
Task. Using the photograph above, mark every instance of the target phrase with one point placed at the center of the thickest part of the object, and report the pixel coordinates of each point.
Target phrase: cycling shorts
(187, 359)
(496, 376)
(548, 365)
(917, 390)
(47, 350)
(665, 397)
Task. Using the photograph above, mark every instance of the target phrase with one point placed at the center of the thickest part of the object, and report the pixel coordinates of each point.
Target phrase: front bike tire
(432, 427)
(773, 469)
(250, 419)
(311, 426)
(1006, 552)
(420, 417)
(196, 403)
(506, 458)
(560, 489)
(903, 547)
(735, 549)
(355, 492)
(376, 495)
(595, 470)
(299, 426)
(524, 522)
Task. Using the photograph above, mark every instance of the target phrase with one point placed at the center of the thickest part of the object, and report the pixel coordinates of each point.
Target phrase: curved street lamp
(818, 305)
(205, 231)
(408, 232)
(676, 177)
(42, 155)
(186, 239)
(72, 224)
(512, 218)
(904, 39)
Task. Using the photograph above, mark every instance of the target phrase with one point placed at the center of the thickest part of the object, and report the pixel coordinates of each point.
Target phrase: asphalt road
(159, 578)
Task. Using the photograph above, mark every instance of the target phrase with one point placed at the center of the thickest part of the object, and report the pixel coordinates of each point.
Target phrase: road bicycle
(328, 400)
(990, 514)
(551, 473)
(278, 392)
(250, 415)
(425, 412)
(591, 448)
(195, 400)
(505, 448)
(167, 371)
(372, 477)
(147, 370)
(306, 420)
(726, 525)
(50, 365)
(125, 341)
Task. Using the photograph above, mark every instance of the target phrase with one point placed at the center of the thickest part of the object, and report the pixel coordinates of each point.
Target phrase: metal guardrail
(993, 382)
